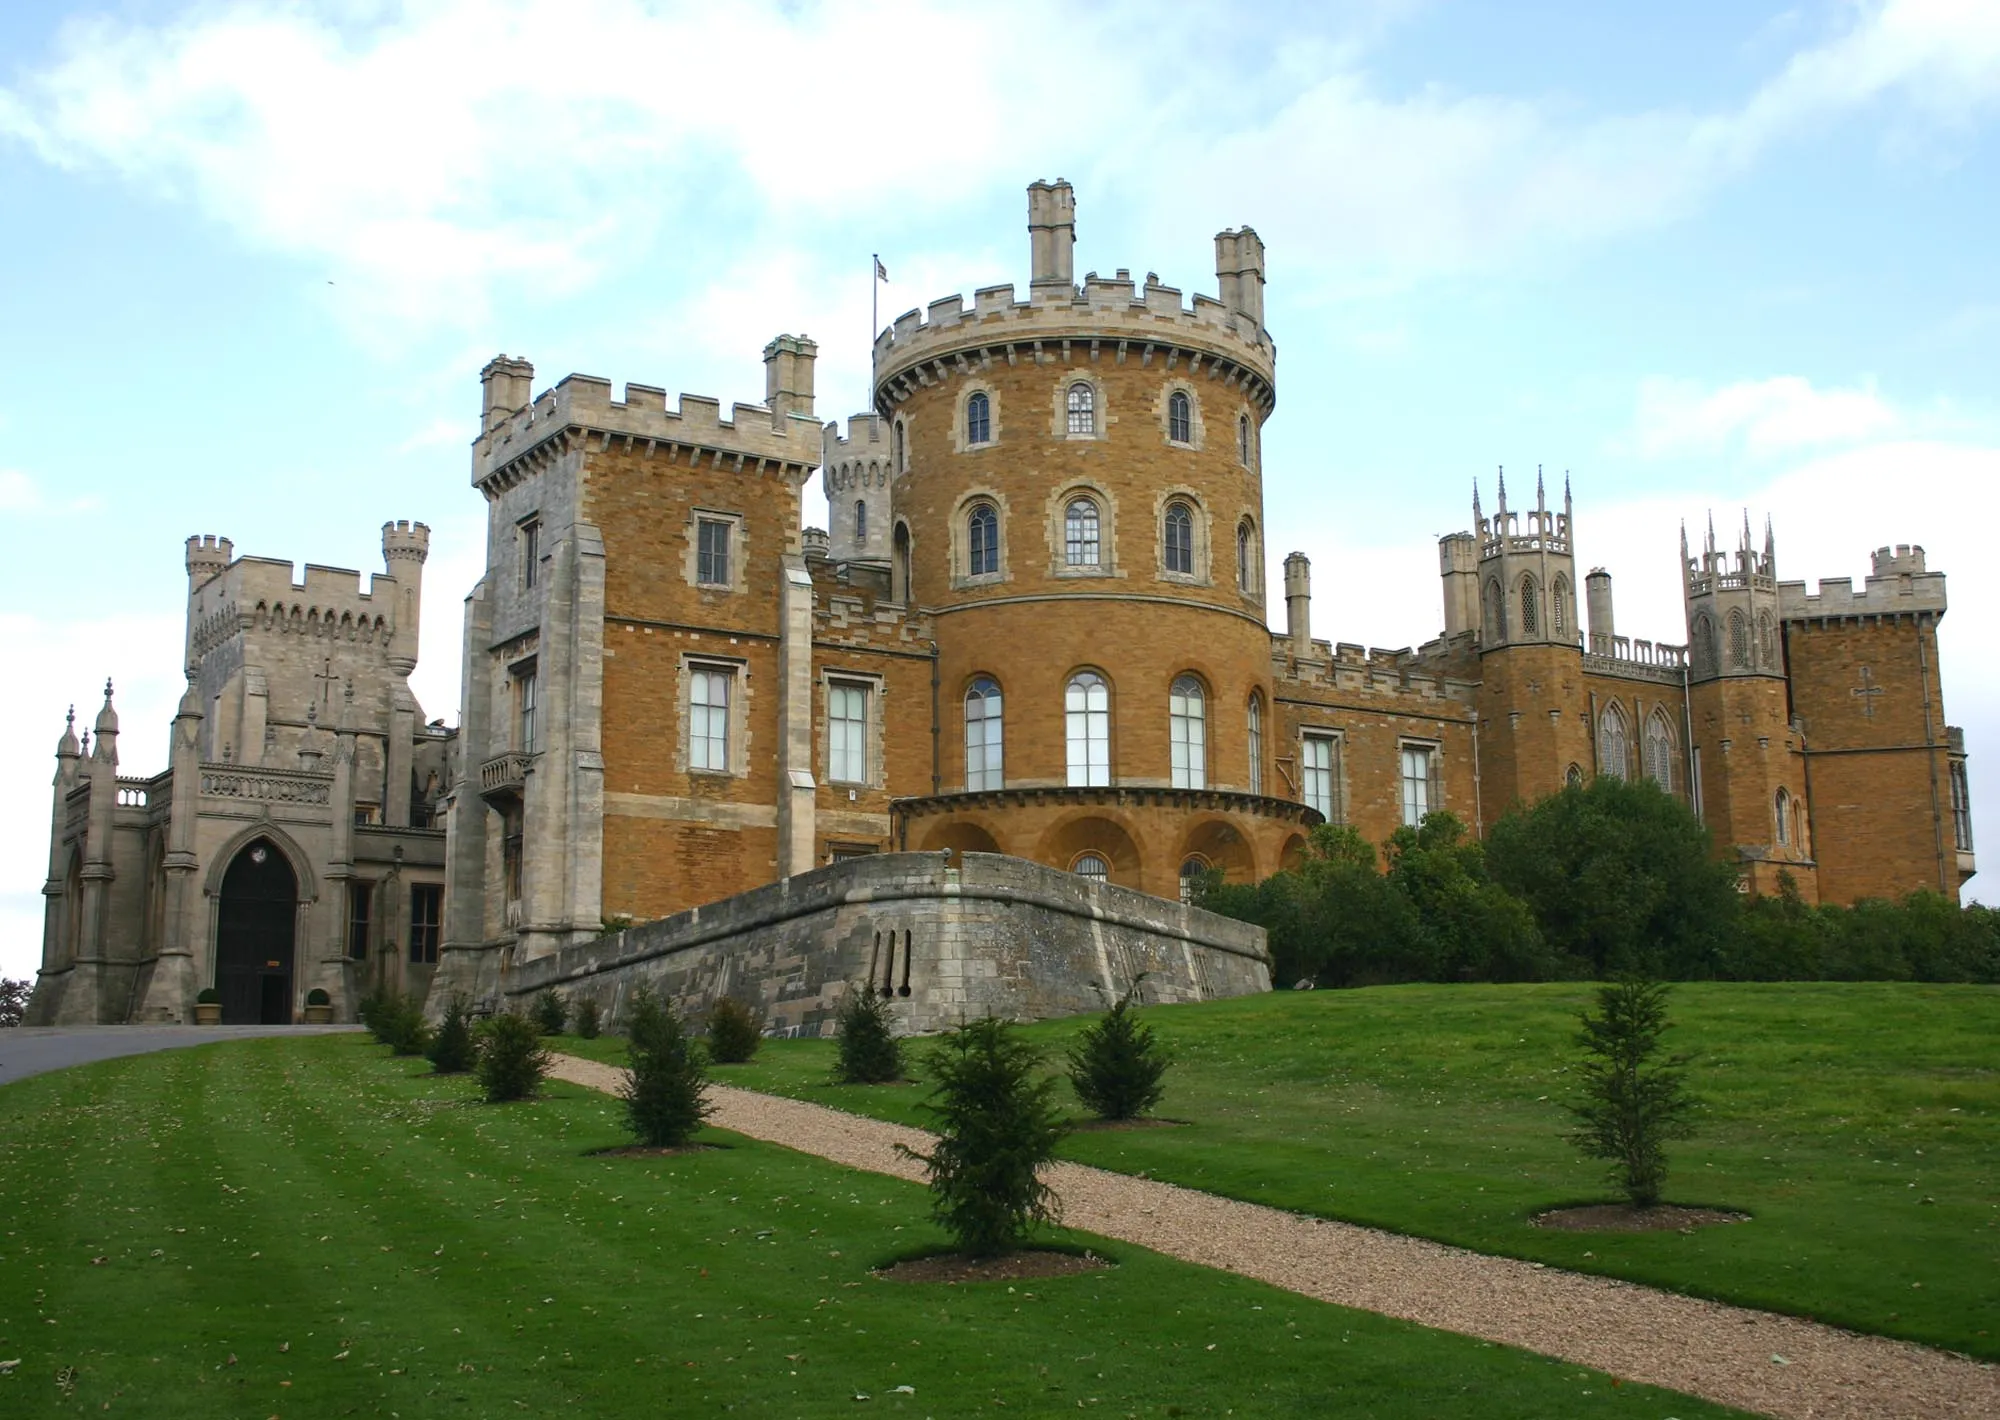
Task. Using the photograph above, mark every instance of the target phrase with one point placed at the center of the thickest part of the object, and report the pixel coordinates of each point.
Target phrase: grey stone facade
(946, 939)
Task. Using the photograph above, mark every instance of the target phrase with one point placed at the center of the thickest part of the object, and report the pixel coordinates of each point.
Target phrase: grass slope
(1858, 1123)
(308, 1227)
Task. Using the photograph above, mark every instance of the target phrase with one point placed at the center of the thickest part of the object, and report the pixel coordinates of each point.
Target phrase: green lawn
(1858, 1123)
(308, 1227)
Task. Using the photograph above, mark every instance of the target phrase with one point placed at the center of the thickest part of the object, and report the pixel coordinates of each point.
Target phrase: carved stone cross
(326, 679)
(1866, 692)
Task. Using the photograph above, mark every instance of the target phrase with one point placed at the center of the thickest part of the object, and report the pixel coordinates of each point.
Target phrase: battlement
(403, 538)
(1350, 668)
(867, 438)
(207, 555)
(753, 431)
(1900, 587)
(1637, 660)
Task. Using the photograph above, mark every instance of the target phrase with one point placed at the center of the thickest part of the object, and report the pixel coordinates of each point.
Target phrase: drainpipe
(1687, 733)
(937, 776)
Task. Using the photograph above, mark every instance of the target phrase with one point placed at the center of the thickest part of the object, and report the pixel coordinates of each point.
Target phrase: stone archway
(255, 928)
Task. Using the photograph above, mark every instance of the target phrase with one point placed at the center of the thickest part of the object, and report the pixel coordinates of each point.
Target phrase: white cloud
(1771, 416)
(21, 494)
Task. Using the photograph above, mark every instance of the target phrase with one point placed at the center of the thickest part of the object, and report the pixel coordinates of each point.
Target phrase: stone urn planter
(319, 1008)
(208, 1008)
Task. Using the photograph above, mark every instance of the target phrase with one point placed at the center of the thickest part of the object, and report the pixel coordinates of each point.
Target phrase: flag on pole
(881, 271)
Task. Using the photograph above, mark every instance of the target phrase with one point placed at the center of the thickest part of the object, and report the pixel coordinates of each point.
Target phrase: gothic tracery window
(1612, 742)
(1660, 752)
(1530, 613)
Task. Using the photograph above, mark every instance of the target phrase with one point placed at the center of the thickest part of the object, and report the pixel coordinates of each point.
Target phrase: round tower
(1076, 499)
(854, 472)
(206, 556)
(405, 546)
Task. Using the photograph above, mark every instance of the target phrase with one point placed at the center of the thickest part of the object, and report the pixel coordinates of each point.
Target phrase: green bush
(208, 996)
(1117, 1065)
(318, 997)
(733, 1033)
(549, 1013)
(589, 1021)
(1631, 1103)
(451, 1051)
(666, 1085)
(512, 1060)
(996, 1125)
(869, 1053)
(399, 1024)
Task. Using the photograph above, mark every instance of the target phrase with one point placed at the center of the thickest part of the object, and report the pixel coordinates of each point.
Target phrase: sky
(1699, 258)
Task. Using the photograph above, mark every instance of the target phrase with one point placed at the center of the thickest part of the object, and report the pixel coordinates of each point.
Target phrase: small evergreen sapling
(451, 1051)
(550, 1014)
(997, 1125)
(403, 1027)
(1632, 1104)
(589, 1020)
(512, 1059)
(733, 1033)
(870, 1053)
(666, 1083)
(1117, 1065)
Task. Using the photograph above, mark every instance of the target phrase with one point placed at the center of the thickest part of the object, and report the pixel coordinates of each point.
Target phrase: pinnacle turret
(66, 747)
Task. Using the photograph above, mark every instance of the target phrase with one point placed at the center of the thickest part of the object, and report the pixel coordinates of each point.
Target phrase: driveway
(35, 1050)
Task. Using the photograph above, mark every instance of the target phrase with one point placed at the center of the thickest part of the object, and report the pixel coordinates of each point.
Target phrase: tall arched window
(1739, 640)
(978, 419)
(1660, 752)
(899, 566)
(1574, 778)
(1244, 549)
(1612, 743)
(860, 522)
(1180, 422)
(1704, 646)
(983, 735)
(1187, 725)
(1784, 817)
(1082, 406)
(1080, 545)
(1530, 611)
(1492, 613)
(1767, 641)
(1256, 743)
(1087, 725)
(1559, 608)
(982, 540)
(1180, 537)
(1243, 439)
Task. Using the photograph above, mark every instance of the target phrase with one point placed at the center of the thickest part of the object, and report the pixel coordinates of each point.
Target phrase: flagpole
(874, 318)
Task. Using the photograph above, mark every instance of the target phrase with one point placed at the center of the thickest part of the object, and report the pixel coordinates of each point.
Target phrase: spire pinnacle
(1541, 498)
(1503, 490)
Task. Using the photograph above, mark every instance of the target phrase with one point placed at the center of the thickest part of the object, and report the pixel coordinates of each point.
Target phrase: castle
(1037, 627)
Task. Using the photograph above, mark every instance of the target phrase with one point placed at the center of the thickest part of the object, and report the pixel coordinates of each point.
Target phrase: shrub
(1631, 1104)
(733, 1033)
(665, 1088)
(13, 1001)
(397, 1021)
(451, 1051)
(870, 1054)
(512, 1060)
(588, 1019)
(996, 1125)
(208, 996)
(550, 1014)
(1116, 1065)
(318, 997)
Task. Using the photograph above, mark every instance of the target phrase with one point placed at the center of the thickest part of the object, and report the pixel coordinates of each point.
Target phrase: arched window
(1530, 613)
(1180, 538)
(1193, 869)
(860, 522)
(1660, 752)
(1784, 817)
(982, 540)
(1256, 743)
(1493, 613)
(1244, 578)
(1243, 438)
(1559, 608)
(1188, 729)
(1739, 640)
(1611, 742)
(978, 419)
(1087, 725)
(1574, 778)
(1080, 545)
(899, 568)
(983, 736)
(1082, 405)
(1180, 423)
(1091, 866)
(1704, 646)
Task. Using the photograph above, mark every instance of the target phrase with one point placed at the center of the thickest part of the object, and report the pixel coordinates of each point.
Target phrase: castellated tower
(1749, 772)
(854, 473)
(1530, 649)
(1076, 499)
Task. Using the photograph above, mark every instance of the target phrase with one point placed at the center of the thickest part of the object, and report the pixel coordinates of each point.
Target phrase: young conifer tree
(1117, 1064)
(451, 1050)
(733, 1032)
(1632, 1103)
(512, 1060)
(666, 1085)
(869, 1052)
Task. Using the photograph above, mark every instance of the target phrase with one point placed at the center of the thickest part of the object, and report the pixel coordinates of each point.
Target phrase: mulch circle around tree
(650, 1151)
(1624, 1218)
(1030, 1263)
(1110, 1126)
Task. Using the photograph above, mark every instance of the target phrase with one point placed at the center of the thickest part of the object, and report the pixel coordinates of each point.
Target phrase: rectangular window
(531, 553)
(426, 914)
(360, 897)
(1316, 780)
(708, 719)
(1420, 788)
(1961, 808)
(524, 704)
(846, 732)
(712, 552)
(848, 852)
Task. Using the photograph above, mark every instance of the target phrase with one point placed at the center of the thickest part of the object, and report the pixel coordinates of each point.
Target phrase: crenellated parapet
(1899, 585)
(259, 593)
(581, 409)
(1402, 675)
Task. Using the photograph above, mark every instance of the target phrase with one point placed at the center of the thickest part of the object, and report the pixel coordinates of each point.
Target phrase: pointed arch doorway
(254, 937)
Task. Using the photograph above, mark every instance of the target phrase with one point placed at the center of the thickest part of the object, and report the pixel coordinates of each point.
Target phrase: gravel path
(1759, 1361)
